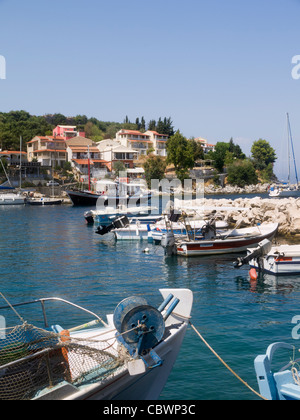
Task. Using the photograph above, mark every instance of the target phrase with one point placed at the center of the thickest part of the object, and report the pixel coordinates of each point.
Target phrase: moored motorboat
(123, 229)
(231, 241)
(276, 260)
(44, 201)
(106, 216)
(128, 357)
(180, 228)
(11, 199)
(274, 192)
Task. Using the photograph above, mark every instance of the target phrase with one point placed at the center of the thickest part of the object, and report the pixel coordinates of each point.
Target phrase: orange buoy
(253, 274)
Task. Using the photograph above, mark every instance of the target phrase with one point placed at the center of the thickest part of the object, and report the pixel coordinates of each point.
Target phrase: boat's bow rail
(52, 363)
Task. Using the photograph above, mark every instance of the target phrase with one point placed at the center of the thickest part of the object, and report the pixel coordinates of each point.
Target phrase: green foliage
(154, 167)
(241, 173)
(267, 174)
(20, 123)
(181, 154)
(263, 154)
(197, 150)
(225, 154)
(119, 167)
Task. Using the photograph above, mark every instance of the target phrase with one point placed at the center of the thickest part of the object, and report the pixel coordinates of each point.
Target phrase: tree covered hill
(14, 124)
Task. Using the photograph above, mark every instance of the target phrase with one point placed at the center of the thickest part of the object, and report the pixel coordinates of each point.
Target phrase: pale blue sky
(218, 68)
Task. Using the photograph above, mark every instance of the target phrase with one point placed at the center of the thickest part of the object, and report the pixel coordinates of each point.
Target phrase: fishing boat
(276, 260)
(124, 229)
(133, 232)
(181, 228)
(127, 357)
(43, 201)
(282, 384)
(212, 243)
(107, 215)
(11, 199)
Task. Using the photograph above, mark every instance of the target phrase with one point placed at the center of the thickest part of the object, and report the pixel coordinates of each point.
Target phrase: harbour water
(50, 251)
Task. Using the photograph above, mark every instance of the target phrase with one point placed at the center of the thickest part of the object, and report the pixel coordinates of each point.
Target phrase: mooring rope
(225, 364)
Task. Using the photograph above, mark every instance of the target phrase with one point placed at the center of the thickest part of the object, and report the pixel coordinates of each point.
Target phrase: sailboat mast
(20, 162)
(89, 168)
(293, 152)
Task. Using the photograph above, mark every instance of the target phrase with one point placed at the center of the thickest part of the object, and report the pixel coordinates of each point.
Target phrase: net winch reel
(140, 327)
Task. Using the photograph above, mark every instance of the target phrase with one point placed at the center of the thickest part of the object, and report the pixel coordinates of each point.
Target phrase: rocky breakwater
(285, 211)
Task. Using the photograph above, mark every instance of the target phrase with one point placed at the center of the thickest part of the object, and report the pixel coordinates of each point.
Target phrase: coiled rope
(225, 364)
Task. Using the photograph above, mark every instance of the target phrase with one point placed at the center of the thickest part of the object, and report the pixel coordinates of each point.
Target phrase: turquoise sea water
(47, 252)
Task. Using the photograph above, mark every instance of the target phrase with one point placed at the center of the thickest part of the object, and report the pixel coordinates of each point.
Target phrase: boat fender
(253, 274)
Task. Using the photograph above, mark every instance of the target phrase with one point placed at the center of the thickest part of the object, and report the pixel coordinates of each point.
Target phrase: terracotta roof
(83, 161)
(141, 140)
(10, 152)
(50, 150)
(84, 149)
(134, 132)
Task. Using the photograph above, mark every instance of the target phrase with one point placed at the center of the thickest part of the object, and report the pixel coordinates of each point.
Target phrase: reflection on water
(48, 252)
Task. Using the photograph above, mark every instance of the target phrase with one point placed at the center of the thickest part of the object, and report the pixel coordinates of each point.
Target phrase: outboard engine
(118, 223)
(140, 327)
(89, 217)
(264, 247)
(169, 244)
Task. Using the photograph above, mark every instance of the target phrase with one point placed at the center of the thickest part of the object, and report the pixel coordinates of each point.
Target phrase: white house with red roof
(207, 147)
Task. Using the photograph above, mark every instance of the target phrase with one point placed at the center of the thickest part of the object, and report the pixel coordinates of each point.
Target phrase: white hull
(281, 260)
(159, 229)
(121, 384)
(11, 199)
(132, 233)
(147, 386)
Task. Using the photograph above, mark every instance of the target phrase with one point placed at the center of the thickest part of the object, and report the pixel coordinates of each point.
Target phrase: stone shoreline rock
(231, 189)
(285, 211)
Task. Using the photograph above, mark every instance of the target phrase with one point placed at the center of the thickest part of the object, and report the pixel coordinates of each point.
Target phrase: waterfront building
(112, 151)
(47, 150)
(143, 143)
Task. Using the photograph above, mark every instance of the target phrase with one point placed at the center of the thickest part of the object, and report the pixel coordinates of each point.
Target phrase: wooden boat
(212, 243)
(282, 384)
(276, 260)
(128, 357)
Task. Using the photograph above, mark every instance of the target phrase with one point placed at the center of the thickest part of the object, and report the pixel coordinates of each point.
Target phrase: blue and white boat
(128, 357)
(107, 215)
(284, 384)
